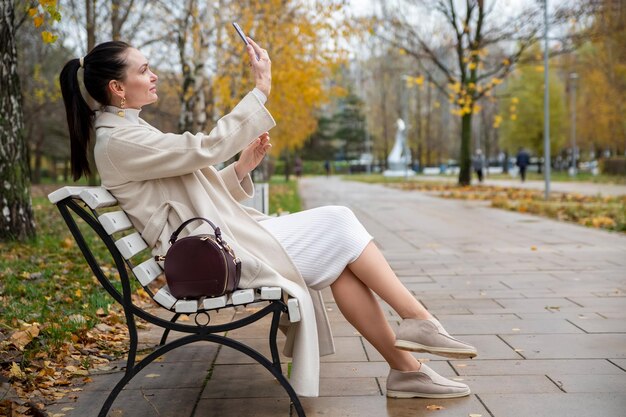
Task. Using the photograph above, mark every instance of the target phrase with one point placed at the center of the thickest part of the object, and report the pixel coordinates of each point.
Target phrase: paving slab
(171, 375)
(590, 383)
(536, 367)
(499, 325)
(171, 402)
(500, 384)
(268, 387)
(347, 349)
(621, 363)
(536, 304)
(569, 346)
(560, 315)
(600, 325)
(389, 407)
(556, 405)
(602, 303)
(235, 407)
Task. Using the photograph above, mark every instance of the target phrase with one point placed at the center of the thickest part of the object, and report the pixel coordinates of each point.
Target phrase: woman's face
(139, 87)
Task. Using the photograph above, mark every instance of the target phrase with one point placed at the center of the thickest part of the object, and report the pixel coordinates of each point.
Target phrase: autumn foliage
(300, 42)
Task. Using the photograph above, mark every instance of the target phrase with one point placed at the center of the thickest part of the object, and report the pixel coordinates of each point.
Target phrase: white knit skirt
(321, 241)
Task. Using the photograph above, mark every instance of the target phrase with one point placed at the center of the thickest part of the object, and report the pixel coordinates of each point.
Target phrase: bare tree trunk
(418, 128)
(427, 134)
(16, 213)
(465, 158)
(90, 25)
(193, 112)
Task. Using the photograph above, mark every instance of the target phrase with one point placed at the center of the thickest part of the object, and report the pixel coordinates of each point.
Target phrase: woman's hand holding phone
(261, 67)
(259, 61)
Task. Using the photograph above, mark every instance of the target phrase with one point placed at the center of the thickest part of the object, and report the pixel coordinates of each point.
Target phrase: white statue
(400, 156)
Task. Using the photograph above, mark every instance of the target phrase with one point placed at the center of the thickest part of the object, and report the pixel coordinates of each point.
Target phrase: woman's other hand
(252, 155)
(261, 67)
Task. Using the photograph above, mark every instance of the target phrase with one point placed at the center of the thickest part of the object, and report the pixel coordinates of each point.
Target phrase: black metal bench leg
(167, 331)
(276, 361)
(273, 333)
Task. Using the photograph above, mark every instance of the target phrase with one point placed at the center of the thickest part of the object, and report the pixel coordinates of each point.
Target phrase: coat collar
(109, 116)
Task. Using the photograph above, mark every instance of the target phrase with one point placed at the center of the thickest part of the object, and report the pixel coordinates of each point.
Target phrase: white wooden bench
(124, 243)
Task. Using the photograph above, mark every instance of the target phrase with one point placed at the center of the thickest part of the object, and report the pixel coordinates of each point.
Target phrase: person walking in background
(327, 167)
(478, 164)
(522, 161)
(297, 167)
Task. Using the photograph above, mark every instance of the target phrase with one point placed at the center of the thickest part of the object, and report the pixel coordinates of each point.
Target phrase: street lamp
(573, 78)
(546, 105)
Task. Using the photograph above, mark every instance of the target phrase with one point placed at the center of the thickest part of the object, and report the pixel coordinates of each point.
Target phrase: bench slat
(131, 245)
(271, 293)
(239, 297)
(293, 308)
(97, 197)
(164, 298)
(62, 193)
(186, 306)
(215, 302)
(115, 221)
(147, 271)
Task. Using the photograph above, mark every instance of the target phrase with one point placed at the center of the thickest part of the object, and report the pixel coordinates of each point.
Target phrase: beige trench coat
(161, 179)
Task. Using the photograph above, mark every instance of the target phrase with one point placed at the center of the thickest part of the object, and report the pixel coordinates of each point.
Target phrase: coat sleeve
(240, 190)
(141, 153)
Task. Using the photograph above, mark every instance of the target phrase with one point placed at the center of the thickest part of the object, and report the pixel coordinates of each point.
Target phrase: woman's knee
(340, 212)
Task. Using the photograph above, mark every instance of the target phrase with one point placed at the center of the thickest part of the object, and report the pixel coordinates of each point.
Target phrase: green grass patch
(284, 196)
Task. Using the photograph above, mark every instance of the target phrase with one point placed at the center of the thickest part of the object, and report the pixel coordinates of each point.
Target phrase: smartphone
(243, 37)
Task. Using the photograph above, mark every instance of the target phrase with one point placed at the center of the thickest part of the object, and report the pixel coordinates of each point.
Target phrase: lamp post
(546, 105)
(573, 78)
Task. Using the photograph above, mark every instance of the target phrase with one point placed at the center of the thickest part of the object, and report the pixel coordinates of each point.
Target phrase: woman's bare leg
(372, 269)
(362, 310)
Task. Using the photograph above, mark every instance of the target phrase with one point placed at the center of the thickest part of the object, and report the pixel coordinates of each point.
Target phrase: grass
(49, 305)
(46, 281)
(284, 197)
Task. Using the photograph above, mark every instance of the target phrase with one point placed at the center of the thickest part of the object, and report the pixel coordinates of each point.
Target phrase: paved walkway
(544, 302)
(587, 188)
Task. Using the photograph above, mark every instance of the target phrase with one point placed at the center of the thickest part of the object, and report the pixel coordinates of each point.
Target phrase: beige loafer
(424, 383)
(429, 336)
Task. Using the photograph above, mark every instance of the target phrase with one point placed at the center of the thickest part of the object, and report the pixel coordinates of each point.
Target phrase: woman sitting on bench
(162, 179)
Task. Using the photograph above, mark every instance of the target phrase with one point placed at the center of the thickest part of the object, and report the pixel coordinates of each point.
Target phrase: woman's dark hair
(102, 64)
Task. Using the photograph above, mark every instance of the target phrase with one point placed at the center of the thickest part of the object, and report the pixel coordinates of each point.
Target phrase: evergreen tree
(349, 124)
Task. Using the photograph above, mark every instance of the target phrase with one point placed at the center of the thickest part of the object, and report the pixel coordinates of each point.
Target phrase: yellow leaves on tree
(300, 41)
(601, 120)
(45, 12)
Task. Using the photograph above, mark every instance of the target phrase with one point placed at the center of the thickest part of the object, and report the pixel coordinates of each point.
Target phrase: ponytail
(79, 119)
(104, 63)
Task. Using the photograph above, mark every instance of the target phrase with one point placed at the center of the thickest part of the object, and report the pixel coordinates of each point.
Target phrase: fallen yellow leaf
(23, 337)
(433, 407)
(16, 372)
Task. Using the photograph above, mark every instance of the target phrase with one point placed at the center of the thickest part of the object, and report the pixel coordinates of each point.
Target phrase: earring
(122, 104)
